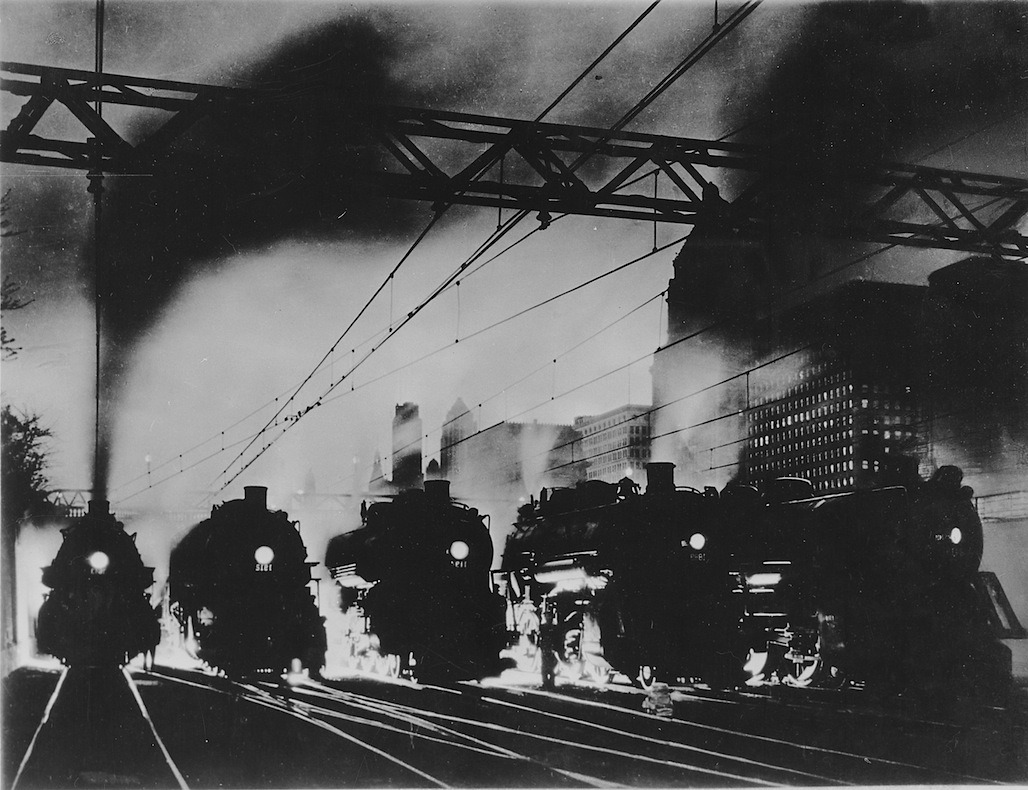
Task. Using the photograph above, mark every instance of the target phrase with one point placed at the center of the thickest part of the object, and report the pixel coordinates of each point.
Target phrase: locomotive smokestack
(99, 507)
(256, 497)
(438, 490)
(660, 476)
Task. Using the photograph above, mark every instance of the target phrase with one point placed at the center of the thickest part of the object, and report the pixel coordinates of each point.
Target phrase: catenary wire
(690, 336)
(694, 57)
(468, 336)
(435, 218)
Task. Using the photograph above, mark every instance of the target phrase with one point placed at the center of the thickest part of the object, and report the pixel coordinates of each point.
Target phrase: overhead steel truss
(460, 158)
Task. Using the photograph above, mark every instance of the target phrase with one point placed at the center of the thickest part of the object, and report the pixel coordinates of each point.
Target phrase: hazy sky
(245, 323)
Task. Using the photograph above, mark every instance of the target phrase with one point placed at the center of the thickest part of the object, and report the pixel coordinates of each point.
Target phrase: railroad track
(862, 763)
(363, 721)
(95, 729)
(620, 753)
(464, 734)
(556, 739)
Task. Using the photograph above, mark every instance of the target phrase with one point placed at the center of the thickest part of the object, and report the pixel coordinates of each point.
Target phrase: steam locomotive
(879, 586)
(98, 612)
(239, 587)
(415, 588)
(602, 579)
(752, 585)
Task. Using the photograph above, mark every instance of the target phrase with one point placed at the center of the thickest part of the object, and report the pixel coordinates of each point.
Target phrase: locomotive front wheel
(758, 666)
(570, 669)
(392, 666)
(647, 676)
(597, 674)
(802, 673)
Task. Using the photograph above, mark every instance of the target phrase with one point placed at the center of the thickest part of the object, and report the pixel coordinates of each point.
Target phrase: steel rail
(861, 758)
(42, 723)
(282, 708)
(153, 729)
(492, 726)
(820, 703)
(400, 713)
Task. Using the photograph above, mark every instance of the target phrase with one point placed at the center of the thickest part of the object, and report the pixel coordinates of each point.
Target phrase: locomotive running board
(997, 606)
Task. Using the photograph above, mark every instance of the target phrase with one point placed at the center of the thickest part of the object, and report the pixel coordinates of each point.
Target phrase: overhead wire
(440, 210)
(719, 324)
(535, 371)
(691, 60)
(831, 272)
(620, 267)
(661, 86)
(680, 340)
(328, 354)
(468, 336)
(402, 367)
(649, 97)
(710, 327)
(410, 316)
(222, 433)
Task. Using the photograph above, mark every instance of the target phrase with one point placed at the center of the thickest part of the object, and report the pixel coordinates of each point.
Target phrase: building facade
(846, 409)
(826, 421)
(867, 384)
(615, 444)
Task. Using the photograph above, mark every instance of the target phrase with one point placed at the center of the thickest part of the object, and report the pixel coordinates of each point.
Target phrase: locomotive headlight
(697, 541)
(99, 561)
(459, 550)
(264, 555)
(956, 535)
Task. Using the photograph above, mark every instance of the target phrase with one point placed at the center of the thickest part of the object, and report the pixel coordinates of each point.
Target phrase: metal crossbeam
(454, 158)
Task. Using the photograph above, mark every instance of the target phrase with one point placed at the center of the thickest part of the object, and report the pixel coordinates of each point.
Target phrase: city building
(615, 444)
(869, 383)
(721, 282)
(508, 460)
(846, 408)
(898, 379)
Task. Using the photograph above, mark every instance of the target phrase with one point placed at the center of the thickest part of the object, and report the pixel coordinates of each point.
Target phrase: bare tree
(9, 299)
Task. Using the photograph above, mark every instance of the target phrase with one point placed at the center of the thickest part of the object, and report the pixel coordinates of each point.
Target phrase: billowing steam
(846, 87)
(253, 173)
(535, 455)
(858, 84)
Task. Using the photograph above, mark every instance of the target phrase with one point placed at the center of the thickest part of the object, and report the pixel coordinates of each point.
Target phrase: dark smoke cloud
(253, 173)
(860, 83)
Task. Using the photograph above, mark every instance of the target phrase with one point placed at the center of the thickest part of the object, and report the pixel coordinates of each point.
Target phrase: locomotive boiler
(97, 612)
(239, 585)
(415, 588)
(602, 579)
